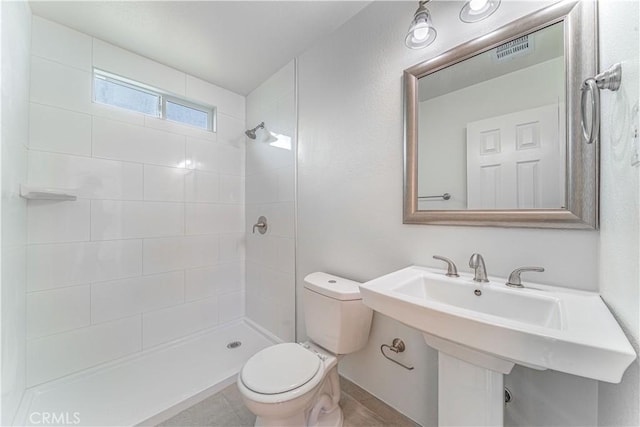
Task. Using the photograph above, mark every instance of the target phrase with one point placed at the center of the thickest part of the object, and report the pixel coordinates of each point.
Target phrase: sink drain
(234, 344)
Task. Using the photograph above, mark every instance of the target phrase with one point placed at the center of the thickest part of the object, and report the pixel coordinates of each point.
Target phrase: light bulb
(420, 33)
(476, 5)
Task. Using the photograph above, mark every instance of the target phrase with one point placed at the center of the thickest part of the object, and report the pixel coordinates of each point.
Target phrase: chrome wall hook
(397, 346)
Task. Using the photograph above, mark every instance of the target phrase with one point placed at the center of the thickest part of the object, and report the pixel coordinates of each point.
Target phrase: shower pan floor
(148, 387)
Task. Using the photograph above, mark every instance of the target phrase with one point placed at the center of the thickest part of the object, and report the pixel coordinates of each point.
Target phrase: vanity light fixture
(421, 32)
(477, 10)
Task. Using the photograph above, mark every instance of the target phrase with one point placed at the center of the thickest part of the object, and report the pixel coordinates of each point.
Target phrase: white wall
(442, 144)
(270, 191)
(153, 248)
(619, 404)
(15, 21)
(350, 205)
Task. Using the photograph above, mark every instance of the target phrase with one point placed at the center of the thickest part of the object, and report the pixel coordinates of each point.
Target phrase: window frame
(163, 98)
(188, 104)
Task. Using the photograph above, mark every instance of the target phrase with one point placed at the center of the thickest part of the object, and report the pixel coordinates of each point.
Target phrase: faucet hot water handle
(514, 278)
(452, 271)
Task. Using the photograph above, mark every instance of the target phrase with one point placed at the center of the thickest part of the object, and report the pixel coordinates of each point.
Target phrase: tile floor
(225, 409)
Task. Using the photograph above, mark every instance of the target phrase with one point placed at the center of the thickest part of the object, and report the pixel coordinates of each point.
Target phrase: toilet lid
(280, 368)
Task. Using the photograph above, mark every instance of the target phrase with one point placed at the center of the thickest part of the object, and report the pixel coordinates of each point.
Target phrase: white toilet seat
(280, 368)
(296, 353)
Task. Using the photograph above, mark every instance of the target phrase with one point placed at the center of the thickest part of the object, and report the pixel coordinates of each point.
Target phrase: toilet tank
(335, 317)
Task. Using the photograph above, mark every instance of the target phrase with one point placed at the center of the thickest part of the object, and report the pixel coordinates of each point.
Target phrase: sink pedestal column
(470, 385)
(468, 395)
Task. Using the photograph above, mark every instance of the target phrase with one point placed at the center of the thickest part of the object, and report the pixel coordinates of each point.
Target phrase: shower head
(251, 133)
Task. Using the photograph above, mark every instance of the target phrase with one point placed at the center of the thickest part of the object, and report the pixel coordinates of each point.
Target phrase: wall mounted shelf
(47, 193)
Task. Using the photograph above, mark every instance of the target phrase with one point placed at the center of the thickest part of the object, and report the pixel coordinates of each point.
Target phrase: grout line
(64, 64)
(91, 303)
(80, 328)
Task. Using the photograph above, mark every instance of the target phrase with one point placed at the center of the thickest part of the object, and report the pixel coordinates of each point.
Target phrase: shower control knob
(261, 225)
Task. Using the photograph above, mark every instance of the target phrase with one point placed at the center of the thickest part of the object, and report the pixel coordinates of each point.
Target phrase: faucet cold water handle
(261, 225)
(452, 271)
(477, 263)
(514, 278)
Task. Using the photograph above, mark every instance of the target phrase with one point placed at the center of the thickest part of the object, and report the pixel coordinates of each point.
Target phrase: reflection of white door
(515, 161)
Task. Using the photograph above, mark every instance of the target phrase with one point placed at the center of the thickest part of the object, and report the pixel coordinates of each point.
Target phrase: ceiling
(233, 44)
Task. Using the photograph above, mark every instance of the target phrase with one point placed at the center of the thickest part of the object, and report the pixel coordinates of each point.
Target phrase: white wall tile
(175, 253)
(230, 160)
(164, 183)
(61, 44)
(227, 102)
(232, 246)
(231, 189)
(204, 282)
(82, 348)
(202, 186)
(263, 311)
(179, 128)
(286, 184)
(231, 306)
(15, 39)
(94, 178)
(14, 207)
(58, 310)
(123, 141)
(286, 254)
(208, 218)
(282, 219)
(201, 283)
(58, 221)
(13, 328)
(231, 130)
(262, 158)
(175, 322)
(273, 88)
(58, 130)
(117, 113)
(60, 85)
(112, 219)
(262, 188)
(51, 266)
(123, 298)
(115, 60)
(202, 155)
(267, 282)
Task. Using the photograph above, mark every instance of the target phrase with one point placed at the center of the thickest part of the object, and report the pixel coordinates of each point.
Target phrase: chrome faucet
(477, 263)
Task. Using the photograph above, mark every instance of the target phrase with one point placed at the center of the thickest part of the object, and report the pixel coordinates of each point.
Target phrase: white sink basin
(540, 326)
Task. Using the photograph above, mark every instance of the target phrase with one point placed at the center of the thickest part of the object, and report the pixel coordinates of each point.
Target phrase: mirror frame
(582, 180)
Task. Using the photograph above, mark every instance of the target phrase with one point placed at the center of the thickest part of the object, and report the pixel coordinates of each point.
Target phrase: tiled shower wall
(153, 249)
(270, 191)
(15, 21)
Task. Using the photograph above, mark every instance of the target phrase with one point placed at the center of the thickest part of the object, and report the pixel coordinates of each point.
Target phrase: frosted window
(187, 115)
(124, 93)
(124, 96)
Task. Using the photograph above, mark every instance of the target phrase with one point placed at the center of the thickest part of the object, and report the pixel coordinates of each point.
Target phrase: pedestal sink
(482, 329)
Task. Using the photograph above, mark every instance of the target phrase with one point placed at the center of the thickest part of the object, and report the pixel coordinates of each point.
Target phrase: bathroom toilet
(297, 385)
